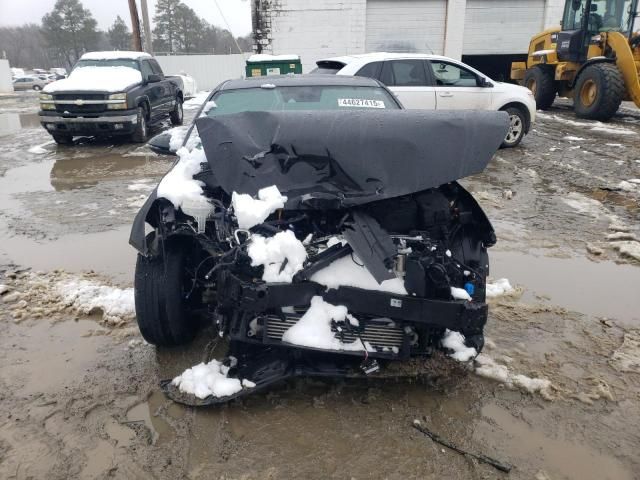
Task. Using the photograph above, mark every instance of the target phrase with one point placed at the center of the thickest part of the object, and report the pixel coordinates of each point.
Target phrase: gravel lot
(79, 394)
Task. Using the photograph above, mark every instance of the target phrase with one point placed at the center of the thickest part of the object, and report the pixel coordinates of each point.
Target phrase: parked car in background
(433, 82)
(17, 73)
(29, 83)
(58, 71)
(189, 85)
(111, 93)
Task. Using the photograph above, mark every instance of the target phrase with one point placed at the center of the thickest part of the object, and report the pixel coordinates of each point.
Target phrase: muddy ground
(79, 397)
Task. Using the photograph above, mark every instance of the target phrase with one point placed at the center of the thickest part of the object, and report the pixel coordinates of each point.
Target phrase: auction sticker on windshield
(360, 102)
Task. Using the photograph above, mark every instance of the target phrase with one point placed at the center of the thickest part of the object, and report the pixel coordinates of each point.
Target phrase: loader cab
(584, 20)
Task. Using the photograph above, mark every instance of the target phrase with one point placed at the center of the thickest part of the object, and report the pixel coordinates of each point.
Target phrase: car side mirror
(484, 83)
(153, 78)
(160, 144)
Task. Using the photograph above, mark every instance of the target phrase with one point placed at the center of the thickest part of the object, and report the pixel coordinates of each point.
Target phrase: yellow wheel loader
(594, 58)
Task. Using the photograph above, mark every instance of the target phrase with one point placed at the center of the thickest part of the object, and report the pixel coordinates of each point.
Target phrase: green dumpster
(261, 65)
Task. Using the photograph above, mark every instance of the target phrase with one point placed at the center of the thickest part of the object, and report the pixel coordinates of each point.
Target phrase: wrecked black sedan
(320, 228)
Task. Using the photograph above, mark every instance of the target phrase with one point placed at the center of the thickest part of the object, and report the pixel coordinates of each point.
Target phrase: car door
(410, 81)
(165, 87)
(153, 90)
(458, 88)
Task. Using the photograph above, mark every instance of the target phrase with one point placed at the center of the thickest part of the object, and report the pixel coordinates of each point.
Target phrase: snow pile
(455, 341)
(140, 185)
(86, 296)
(114, 55)
(39, 149)
(314, 328)
(207, 379)
(499, 287)
(630, 185)
(207, 106)
(486, 367)
(628, 248)
(612, 130)
(282, 255)
(178, 184)
(585, 205)
(263, 57)
(627, 357)
(571, 138)
(251, 212)
(107, 79)
(460, 294)
(195, 102)
(350, 272)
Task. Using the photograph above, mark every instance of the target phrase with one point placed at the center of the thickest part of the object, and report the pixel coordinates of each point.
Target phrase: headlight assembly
(46, 102)
(117, 101)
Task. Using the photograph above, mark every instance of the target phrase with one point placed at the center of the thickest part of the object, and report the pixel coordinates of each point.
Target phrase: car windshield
(115, 62)
(316, 97)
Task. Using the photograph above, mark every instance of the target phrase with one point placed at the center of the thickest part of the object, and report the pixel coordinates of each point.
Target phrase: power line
(227, 24)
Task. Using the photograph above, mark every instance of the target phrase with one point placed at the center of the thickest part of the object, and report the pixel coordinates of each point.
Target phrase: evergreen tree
(70, 30)
(166, 23)
(119, 35)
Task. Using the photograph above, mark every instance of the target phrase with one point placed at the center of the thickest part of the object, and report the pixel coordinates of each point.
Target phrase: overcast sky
(237, 12)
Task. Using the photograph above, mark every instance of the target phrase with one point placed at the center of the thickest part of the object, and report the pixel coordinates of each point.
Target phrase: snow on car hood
(105, 79)
(339, 159)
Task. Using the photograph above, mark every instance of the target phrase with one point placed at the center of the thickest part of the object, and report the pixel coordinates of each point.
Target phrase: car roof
(300, 80)
(114, 55)
(346, 59)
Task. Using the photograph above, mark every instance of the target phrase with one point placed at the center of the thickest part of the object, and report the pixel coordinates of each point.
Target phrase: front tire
(517, 127)
(140, 133)
(161, 310)
(598, 92)
(540, 80)
(177, 114)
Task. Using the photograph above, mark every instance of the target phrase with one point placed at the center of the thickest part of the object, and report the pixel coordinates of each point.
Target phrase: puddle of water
(14, 122)
(561, 458)
(159, 429)
(29, 368)
(603, 288)
(107, 253)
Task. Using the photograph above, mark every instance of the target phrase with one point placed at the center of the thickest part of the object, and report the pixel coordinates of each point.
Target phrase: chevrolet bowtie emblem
(79, 102)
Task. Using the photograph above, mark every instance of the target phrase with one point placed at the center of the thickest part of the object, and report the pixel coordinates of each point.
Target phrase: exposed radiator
(380, 333)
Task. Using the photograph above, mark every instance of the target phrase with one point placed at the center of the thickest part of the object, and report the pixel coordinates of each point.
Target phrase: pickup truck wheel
(516, 127)
(176, 114)
(63, 139)
(161, 310)
(140, 133)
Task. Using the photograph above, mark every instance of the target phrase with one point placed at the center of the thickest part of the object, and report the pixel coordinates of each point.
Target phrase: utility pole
(136, 41)
(148, 44)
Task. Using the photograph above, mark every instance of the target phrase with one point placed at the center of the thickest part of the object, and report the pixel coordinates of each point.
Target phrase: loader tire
(161, 311)
(598, 92)
(541, 82)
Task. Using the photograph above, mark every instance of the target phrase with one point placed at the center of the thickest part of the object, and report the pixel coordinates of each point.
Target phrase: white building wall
(317, 29)
(405, 26)
(5, 77)
(314, 29)
(207, 70)
(455, 28)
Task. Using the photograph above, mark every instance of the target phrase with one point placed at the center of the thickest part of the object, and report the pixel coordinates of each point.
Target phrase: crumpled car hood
(341, 159)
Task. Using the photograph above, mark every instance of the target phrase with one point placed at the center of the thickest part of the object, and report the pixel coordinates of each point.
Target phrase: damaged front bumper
(390, 323)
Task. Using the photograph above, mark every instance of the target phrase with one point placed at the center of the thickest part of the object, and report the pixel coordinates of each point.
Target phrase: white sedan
(422, 81)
